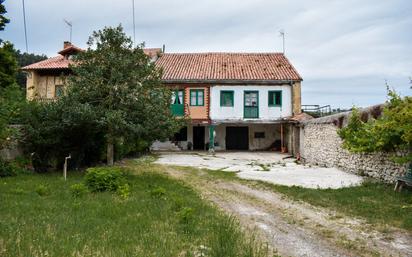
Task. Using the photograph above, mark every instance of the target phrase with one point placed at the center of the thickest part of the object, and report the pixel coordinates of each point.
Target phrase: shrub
(185, 215)
(124, 191)
(42, 190)
(158, 192)
(6, 169)
(79, 189)
(100, 179)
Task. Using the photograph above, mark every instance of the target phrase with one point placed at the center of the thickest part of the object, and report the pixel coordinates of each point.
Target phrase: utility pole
(70, 24)
(25, 27)
(134, 25)
(282, 34)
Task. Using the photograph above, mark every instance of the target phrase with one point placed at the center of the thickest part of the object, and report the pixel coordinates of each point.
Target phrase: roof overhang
(230, 81)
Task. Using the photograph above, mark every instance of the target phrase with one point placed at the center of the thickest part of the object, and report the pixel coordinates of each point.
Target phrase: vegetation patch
(162, 217)
(375, 202)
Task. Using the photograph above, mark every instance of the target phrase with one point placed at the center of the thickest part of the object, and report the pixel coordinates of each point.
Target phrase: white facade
(220, 113)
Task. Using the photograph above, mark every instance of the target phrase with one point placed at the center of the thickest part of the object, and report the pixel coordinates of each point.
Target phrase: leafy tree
(123, 88)
(54, 130)
(392, 132)
(3, 19)
(113, 101)
(8, 65)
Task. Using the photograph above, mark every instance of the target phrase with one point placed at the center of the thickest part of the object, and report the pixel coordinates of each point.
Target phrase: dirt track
(295, 228)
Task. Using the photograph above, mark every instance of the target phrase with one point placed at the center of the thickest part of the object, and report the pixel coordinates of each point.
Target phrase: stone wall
(321, 145)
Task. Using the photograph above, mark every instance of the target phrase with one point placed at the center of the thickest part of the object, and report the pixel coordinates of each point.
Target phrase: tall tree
(123, 87)
(3, 19)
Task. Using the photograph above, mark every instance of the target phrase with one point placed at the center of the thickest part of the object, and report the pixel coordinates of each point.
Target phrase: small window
(226, 98)
(197, 97)
(275, 98)
(259, 134)
(58, 91)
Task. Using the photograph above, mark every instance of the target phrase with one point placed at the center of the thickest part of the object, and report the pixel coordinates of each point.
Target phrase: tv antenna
(282, 34)
(70, 24)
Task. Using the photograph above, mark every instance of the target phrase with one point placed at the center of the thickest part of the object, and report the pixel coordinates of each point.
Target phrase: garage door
(237, 138)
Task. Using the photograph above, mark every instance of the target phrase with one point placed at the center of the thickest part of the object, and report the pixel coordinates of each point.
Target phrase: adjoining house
(45, 78)
(234, 101)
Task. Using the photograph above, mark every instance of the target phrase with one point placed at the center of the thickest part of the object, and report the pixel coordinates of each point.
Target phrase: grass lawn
(39, 216)
(377, 203)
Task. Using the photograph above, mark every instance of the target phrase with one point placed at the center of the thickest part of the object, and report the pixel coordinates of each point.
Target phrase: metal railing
(317, 110)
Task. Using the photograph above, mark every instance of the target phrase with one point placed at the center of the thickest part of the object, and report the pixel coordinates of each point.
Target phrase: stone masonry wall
(322, 146)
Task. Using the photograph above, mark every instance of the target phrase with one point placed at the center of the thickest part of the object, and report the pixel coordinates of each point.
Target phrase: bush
(158, 192)
(42, 190)
(185, 215)
(79, 189)
(124, 191)
(99, 179)
(6, 169)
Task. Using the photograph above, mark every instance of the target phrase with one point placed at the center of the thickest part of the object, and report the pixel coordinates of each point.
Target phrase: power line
(134, 24)
(25, 27)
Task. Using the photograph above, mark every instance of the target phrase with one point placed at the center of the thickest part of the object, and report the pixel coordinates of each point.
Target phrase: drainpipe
(212, 134)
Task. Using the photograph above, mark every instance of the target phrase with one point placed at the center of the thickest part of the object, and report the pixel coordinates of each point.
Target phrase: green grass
(39, 216)
(375, 202)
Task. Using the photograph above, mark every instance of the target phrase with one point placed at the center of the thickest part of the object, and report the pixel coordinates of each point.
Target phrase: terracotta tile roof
(58, 62)
(226, 66)
(70, 49)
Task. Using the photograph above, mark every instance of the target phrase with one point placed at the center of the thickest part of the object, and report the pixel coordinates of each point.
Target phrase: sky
(346, 51)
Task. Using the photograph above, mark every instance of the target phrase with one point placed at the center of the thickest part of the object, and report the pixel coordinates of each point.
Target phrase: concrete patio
(265, 166)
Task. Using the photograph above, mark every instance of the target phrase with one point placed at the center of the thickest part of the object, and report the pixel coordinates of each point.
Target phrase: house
(45, 78)
(237, 101)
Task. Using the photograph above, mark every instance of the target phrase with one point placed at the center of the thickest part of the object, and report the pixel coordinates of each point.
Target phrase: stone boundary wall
(321, 145)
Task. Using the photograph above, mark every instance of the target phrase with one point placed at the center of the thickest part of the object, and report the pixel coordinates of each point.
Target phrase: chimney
(66, 44)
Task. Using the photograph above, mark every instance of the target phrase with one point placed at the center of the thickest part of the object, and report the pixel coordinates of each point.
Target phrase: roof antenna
(282, 34)
(70, 24)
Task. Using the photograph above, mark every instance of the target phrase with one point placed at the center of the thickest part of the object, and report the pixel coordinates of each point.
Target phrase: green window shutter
(226, 98)
(275, 98)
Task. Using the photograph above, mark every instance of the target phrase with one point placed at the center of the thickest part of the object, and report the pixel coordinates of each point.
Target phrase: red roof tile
(58, 62)
(226, 66)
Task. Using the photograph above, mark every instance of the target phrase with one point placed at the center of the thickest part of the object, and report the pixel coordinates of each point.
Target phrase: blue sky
(344, 50)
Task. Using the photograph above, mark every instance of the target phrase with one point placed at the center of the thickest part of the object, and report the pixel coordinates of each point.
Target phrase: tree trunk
(110, 153)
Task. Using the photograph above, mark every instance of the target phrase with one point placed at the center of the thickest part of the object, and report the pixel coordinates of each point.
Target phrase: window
(275, 98)
(177, 97)
(251, 104)
(226, 98)
(259, 134)
(58, 91)
(197, 97)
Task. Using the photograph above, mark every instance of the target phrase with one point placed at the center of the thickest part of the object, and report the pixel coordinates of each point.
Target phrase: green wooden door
(251, 104)
(178, 107)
